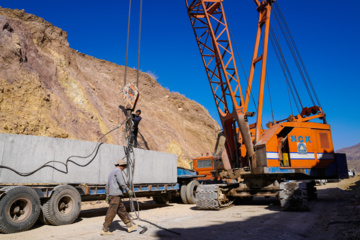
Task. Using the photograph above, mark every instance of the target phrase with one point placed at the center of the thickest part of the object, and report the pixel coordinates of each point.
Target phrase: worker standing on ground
(136, 120)
(114, 187)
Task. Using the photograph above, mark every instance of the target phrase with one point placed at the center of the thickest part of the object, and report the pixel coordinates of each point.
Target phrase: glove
(130, 193)
(107, 199)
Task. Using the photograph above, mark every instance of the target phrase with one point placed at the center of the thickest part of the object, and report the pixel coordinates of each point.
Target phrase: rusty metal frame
(212, 35)
(264, 9)
(211, 31)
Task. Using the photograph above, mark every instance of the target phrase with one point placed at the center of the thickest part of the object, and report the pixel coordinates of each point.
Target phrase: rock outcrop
(49, 89)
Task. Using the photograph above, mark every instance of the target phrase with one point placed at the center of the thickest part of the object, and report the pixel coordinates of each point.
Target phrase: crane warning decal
(301, 148)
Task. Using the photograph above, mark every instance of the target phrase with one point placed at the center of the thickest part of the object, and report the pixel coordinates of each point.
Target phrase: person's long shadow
(145, 142)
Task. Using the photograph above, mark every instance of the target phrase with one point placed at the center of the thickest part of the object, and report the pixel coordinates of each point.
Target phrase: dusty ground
(335, 215)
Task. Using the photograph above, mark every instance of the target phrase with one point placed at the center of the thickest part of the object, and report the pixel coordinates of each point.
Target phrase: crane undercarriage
(294, 195)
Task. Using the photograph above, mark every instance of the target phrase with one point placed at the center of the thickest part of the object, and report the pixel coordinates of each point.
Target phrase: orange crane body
(257, 160)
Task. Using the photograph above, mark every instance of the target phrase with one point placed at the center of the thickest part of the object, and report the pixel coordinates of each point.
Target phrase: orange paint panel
(273, 163)
(310, 145)
(303, 163)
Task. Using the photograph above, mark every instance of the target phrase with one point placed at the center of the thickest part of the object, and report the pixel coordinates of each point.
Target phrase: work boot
(131, 227)
(107, 232)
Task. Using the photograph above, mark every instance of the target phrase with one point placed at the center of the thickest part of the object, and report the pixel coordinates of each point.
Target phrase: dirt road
(335, 215)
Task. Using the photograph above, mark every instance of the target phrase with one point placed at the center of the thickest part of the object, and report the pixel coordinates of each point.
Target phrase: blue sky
(326, 33)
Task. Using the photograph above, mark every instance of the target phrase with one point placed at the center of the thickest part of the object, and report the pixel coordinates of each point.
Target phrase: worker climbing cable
(135, 129)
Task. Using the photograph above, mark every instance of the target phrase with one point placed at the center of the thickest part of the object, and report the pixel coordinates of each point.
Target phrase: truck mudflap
(211, 197)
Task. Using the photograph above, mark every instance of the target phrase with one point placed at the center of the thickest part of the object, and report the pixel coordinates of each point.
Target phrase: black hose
(68, 160)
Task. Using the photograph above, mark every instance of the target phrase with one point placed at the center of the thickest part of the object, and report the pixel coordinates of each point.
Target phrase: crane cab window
(204, 164)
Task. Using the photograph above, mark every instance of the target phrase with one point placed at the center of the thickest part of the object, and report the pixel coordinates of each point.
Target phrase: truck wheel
(183, 194)
(19, 209)
(42, 218)
(191, 191)
(161, 199)
(63, 207)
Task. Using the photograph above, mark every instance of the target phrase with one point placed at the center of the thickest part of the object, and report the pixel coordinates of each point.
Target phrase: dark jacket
(136, 120)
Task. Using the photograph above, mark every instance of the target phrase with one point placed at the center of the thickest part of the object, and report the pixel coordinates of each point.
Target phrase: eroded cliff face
(49, 89)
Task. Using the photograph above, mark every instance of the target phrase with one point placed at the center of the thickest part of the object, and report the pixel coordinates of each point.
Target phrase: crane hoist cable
(295, 53)
(138, 60)
(277, 6)
(127, 43)
(285, 67)
(287, 85)
(291, 48)
(282, 65)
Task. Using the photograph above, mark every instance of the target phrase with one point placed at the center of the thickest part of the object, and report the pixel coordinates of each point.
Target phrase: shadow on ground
(143, 205)
(335, 215)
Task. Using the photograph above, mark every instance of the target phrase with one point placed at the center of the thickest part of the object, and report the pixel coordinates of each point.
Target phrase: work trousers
(134, 137)
(116, 206)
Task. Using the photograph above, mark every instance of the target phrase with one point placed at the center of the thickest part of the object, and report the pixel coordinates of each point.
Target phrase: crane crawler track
(207, 197)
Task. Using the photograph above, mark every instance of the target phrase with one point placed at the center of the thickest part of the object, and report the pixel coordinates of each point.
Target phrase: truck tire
(183, 194)
(63, 207)
(191, 191)
(42, 218)
(161, 199)
(19, 209)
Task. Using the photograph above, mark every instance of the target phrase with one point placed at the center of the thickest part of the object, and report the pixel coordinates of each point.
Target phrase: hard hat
(121, 162)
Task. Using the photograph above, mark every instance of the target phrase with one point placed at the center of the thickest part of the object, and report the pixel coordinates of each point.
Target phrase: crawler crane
(280, 161)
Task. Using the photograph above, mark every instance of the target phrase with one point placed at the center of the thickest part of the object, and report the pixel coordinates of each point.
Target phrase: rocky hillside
(49, 89)
(352, 156)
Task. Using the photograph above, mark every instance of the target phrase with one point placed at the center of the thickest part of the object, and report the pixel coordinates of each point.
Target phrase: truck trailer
(54, 192)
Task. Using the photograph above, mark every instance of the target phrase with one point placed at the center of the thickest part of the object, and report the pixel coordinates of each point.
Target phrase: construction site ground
(334, 215)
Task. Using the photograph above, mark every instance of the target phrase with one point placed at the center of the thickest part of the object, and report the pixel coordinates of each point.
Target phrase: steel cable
(277, 5)
(277, 45)
(282, 65)
(138, 60)
(127, 43)
(291, 48)
(287, 85)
